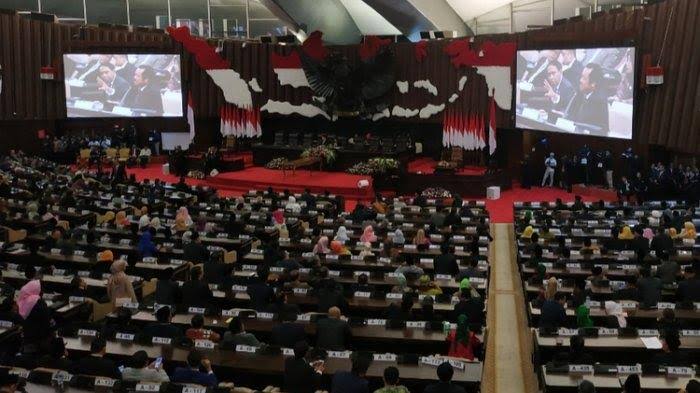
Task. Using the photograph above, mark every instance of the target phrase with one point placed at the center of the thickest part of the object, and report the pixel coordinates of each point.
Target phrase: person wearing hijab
(551, 288)
(278, 218)
(146, 246)
(120, 220)
(368, 235)
(401, 284)
(428, 287)
(338, 249)
(32, 211)
(398, 237)
(321, 246)
(616, 317)
(420, 239)
(527, 232)
(378, 205)
(35, 315)
(118, 285)
(155, 223)
(648, 234)
(688, 231)
(462, 341)
(108, 218)
(292, 205)
(184, 215)
(583, 317)
(626, 233)
(180, 225)
(144, 220)
(342, 235)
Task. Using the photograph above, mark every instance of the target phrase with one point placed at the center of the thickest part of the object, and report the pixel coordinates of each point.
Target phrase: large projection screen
(577, 91)
(122, 85)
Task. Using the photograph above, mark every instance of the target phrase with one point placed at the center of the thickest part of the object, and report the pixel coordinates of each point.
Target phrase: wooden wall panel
(666, 115)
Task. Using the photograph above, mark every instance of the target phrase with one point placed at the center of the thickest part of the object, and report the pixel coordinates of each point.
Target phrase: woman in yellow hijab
(120, 220)
(688, 231)
(626, 233)
(108, 217)
(527, 233)
(180, 225)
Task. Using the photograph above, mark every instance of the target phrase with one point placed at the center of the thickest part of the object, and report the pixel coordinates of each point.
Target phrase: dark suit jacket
(446, 264)
(120, 87)
(347, 382)
(167, 292)
(592, 110)
(287, 334)
(573, 73)
(196, 294)
(300, 377)
(195, 252)
(333, 334)
(566, 92)
(662, 242)
(127, 73)
(147, 97)
(162, 330)
(444, 387)
(97, 366)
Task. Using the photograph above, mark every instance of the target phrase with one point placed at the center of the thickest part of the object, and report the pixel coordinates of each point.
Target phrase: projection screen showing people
(578, 91)
(122, 85)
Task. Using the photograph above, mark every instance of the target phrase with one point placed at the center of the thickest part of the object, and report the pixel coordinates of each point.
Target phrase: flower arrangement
(276, 163)
(323, 152)
(374, 166)
(436, 192)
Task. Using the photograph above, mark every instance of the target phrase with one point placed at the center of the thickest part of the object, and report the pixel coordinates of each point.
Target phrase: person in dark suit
(559, 91)
(571, 67)
(299, 375)
(471, 306)
(352, 381)
(446, 262)
(259, 291)
(671, 354)
(57, 358)
(576, 354)
(96, 364)
(195, 251)
(444, 373)
(333, 333)
(144, 94)
(112, 86)
(123, 68)
(689, 289)
(167, 290)
(193, 373)
(162, 327)
(196, 293)
(287, 333)
(553, 314)
(589, 105)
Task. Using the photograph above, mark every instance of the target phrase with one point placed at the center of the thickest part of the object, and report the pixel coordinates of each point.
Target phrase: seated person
(162, 327)
(196, 292)
(96, 364)
(462, 342)
(236, 335)
(649, 289)
(576, 354)
(299, 375)
(141, 370)
(445, 371)
(596, 276)
(552, 313)
(333, 333)
(288, 332)
(588, 247)
(57, 358)
(193, 372)
(197, 331)
(671, 354)
(689, 289)
(362, 284)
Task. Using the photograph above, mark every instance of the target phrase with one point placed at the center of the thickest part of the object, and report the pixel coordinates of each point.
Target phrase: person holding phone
(300, 376)
(141, 370)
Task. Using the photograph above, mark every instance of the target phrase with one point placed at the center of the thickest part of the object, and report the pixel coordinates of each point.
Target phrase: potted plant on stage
(383, 170)
(325, 154)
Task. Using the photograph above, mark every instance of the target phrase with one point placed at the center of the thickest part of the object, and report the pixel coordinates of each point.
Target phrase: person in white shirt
(144, 156)
(550, 165)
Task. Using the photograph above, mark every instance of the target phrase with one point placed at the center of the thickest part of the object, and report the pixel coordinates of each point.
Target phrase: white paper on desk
(651, 342)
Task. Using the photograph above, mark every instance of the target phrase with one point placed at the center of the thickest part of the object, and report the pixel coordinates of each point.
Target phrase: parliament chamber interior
(350, 196)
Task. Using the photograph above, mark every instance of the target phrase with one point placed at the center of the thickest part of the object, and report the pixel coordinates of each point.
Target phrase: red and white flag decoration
(492, 127)
(462, 131)
(190, 115)
(242, 123)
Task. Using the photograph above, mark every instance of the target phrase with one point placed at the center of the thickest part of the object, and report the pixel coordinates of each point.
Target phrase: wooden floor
(508, 366)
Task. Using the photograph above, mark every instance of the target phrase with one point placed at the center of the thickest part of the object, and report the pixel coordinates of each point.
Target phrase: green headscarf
(583, 319)
(465, 284)
(401, 280)
(462, 333)
(528, 215)
(541, 272)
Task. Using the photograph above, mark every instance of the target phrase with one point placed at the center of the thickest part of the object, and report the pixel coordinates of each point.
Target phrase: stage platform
(345, 158)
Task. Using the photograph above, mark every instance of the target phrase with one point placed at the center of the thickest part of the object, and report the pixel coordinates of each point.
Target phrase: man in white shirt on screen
(550, 165)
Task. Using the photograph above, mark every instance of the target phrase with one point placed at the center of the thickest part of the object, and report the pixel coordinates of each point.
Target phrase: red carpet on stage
(238, 183)
(427, 165)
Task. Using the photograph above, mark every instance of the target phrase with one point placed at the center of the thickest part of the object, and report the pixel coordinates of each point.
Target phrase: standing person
(585, 155)
(608, 168)
(550, 165)
(525, 172)
(154, 141)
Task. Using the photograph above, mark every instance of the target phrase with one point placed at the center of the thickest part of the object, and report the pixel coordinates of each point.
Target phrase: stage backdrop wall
(665, 115)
